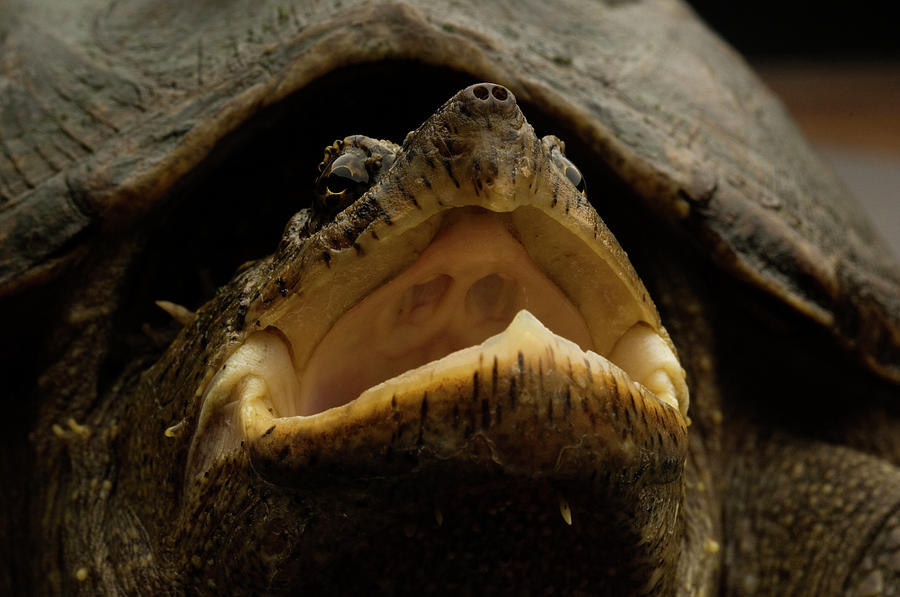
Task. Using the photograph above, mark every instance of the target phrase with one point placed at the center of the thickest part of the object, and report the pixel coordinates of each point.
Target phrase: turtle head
(448, 348)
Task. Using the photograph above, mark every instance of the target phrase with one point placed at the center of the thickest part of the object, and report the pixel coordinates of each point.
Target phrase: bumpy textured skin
(792, 480)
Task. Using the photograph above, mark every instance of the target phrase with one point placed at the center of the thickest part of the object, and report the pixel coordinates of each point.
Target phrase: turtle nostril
(488, 100)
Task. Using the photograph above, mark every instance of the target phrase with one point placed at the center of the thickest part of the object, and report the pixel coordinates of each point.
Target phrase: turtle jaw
(525, 402)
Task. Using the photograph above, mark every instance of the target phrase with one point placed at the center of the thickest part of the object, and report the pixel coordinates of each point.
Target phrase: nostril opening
(500, 93)
(480, 92)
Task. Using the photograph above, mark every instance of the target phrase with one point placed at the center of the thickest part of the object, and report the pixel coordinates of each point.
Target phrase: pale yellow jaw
(258, 379)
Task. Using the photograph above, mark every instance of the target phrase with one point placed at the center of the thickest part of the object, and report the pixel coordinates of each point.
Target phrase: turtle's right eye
(342, 180)
(346, 173)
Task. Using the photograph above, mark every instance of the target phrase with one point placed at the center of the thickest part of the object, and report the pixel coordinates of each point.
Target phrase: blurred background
(837, 69)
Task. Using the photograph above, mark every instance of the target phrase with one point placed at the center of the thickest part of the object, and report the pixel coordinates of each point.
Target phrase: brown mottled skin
(149, 150)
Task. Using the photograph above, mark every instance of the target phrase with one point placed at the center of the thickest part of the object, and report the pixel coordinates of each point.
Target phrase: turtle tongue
(466, 286)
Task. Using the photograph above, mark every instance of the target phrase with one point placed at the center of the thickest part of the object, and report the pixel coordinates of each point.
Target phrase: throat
(465, 287)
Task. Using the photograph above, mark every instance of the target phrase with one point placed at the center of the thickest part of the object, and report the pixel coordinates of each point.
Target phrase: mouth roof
(466, 286)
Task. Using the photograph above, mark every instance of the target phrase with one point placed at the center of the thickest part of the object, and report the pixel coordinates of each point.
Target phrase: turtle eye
(573, 174)
(342, 181)
(346, 173)
(556, 148)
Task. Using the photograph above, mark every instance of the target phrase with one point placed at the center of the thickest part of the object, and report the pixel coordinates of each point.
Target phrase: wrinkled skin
(786, 483)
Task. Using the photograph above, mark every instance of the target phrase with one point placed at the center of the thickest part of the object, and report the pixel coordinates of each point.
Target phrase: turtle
(601, 324)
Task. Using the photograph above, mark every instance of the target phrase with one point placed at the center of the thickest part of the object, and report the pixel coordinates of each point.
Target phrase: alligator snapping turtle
(448, 377)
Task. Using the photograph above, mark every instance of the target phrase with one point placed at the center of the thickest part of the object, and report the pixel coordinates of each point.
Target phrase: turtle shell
(105, 110)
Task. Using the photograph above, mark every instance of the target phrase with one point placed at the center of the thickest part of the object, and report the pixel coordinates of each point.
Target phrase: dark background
(768, 30)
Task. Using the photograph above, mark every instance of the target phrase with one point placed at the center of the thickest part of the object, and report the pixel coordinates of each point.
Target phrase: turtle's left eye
(556, 149)
(572, 173)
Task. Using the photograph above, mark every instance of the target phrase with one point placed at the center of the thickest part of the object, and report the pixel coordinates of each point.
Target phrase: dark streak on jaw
(326, 257)
(422, 414)
(268, 431)
(541, 375)
(449, 167)
(555, 192)
(409, 196)
(475, 386)
(494, 379)
(512, 393)
(476, 179)
(618, 392)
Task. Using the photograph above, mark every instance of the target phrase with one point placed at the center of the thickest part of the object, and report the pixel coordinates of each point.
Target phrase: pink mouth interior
(466, 286)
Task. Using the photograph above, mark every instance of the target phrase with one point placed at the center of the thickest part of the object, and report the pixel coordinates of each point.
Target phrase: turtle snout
(488, 99)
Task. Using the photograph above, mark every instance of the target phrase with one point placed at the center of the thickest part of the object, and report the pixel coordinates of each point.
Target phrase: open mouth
(503, 325)
(473, 288)
(473, 306)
